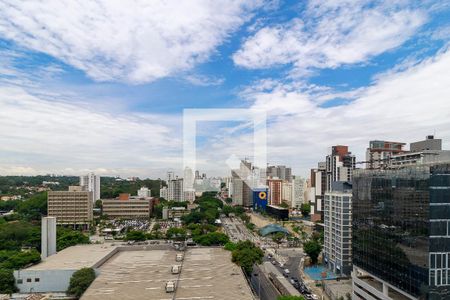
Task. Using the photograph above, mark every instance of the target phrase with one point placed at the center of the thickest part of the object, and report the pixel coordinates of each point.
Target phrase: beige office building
(72, 207)
(127, 207)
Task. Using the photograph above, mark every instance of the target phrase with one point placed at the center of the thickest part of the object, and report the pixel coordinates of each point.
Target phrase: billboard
(260, 199)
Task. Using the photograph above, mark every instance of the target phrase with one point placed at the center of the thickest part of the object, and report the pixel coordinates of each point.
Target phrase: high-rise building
(238, 188)
(275, 191)
(164, 192)
(318, 182)
(401, 233)
(337, 250)
(48, 236)
(298, 191)
(280, 172)
(175, 189)
(92, 184)
(340, 164)
(286, 193)
(144, 192)
(379, 153)
(72, 207)
(243, 180)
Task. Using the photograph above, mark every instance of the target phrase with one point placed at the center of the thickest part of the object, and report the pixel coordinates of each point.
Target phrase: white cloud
(202, 80)
(48, 136)
(404, 106)
(133, 41)
(329, 34)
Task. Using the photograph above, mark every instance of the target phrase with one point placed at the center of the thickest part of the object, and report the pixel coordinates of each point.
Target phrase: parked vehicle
(170, 287)
(179, 257)
(176, 269)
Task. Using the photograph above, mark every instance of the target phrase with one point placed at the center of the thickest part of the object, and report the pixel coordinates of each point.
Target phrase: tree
(284, 205)
(305, 209)
(290, 298)
(212, 238)
(98, 204)
(278, 237)
(7, 282)
(80, 281)
(135, 235)
(312, 248)
(246, 255)
(67, 238)
(228, 200)
(34, 208)
(156, 227)
(19, 259)
(178, 234)
(230, 246)
(17, 234)
(250, 226)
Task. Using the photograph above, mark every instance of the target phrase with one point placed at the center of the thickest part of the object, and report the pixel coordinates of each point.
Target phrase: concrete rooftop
(207, 273)
(75, 257)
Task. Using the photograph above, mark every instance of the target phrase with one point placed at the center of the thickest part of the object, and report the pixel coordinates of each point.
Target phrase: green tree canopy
(67, 237)
(7, 282)
(212, 238)
(178, 234)
(246, 255)
(305, 209)
(80, 281)
(15, 260)
(135, 235)
(284, 205)
(312, 248)
(33, 208)
(277, 237)
(17, 234)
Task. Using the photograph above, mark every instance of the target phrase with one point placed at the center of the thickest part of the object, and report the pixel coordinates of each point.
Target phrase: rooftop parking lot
(207, 273)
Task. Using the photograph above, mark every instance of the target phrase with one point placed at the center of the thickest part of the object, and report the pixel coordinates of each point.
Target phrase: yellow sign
(262, 195)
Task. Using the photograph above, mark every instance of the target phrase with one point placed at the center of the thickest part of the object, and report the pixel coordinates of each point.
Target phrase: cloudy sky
(101, 85)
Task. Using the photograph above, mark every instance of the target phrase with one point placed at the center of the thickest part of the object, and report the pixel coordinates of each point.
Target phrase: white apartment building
(144, 192)
(286, 193)
(298, 191)
(164, 192)
(337, 249)
(92, 184)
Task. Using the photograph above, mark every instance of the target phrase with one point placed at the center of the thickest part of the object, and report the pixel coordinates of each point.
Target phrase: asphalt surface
(237, 231)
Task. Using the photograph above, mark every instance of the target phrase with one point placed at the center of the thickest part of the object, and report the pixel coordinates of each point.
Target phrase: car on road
(274, 262)
(287, 271)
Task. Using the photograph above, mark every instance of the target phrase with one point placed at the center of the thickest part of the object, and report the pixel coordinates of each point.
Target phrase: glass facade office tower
(401, 233)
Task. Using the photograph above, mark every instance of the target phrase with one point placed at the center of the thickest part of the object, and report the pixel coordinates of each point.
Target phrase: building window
(439, 269)
(28, 279)
(19, 281)
(37, 280)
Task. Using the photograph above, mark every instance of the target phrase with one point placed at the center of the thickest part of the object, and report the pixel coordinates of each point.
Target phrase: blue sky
(101, 86)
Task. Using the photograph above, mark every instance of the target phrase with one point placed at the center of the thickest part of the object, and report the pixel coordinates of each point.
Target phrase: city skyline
(111, 101)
